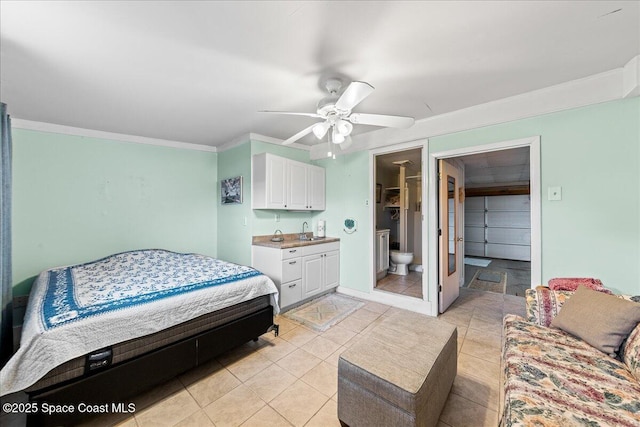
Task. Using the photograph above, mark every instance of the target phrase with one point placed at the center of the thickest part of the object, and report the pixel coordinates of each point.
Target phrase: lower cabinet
(300, 272)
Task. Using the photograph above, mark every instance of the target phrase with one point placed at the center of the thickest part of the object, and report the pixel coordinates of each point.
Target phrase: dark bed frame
(117, 383)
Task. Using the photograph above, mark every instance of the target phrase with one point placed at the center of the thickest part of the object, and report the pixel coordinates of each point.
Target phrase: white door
(331, 269)
(276, 182)
(316, 193)
(297, 176)
(312, 267)
(449, 239)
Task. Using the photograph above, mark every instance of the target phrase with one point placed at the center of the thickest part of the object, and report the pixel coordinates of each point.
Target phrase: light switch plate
(555, 193)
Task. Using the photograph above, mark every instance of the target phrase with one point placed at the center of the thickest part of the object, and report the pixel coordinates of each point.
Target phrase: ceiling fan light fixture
(338, 138)
(343, 127)
(320, 129)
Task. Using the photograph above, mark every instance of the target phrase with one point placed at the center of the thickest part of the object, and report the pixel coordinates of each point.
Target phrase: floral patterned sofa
(551, 378)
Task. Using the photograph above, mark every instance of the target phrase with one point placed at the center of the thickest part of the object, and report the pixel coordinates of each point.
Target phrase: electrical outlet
(366, 202)
(277, 217)
(244, 221)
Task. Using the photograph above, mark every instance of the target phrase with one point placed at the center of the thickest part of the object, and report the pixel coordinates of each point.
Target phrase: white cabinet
(320, 272)
(300, 272)
(280, 183)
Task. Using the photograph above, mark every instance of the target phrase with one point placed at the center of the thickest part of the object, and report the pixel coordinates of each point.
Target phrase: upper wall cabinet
(280, 183)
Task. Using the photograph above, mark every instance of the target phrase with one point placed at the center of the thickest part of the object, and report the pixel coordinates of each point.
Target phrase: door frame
(533, 143)
(426, 305)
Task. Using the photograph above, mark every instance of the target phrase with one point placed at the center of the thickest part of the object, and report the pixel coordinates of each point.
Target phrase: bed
(104, 331)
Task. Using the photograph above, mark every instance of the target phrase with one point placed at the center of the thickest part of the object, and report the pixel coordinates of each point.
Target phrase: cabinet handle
(292, 251)
(293, 286)
(292, 262)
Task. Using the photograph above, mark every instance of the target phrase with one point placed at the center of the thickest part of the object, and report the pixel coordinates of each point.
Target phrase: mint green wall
(593, 153)
(347, 180)
(76, 199)
(238, 223)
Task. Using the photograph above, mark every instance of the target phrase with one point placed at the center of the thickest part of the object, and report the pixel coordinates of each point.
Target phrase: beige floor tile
(267, 417)
(321, 347)
(234, 408)
(376, 307)
(481, 349)
(270, 382)
(491, 327)
(354, 324)
(478, 368)
(168, 411)
(277, 349)
(212, 387)
(335, 357)
(157, 393)
(324, 378)
(327, 416)
(299, 403)
(493, 340)
(285, 324)
(461, 412)
(338, 334)
(249, 366)
(366, 315)
(299, 336)
(442, 424)
(129, 422)
(199, 419)
(298, 363)
(481, 391)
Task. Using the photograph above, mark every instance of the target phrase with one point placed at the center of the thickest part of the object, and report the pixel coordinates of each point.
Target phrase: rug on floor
(322, 313)
(478, 262)
(489, 280)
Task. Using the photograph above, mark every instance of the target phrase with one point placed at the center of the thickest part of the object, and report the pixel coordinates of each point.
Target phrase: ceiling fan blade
(346, 144)
(291, 113)
(353, 95)
(381, 120)
(298, 135)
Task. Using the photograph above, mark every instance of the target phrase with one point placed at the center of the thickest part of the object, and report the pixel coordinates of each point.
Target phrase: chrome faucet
(303, 235)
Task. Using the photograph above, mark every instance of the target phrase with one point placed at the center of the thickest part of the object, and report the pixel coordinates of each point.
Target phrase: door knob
(460, 239)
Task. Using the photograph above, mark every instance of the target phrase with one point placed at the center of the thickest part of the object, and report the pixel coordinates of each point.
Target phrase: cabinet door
(316, 193)
(297, 195)
(312, 267)
(331, 269)
(276, 185)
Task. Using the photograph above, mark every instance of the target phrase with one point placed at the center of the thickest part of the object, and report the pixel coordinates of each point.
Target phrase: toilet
(401, 261)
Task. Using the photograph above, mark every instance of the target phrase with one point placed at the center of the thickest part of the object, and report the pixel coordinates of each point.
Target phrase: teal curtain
(6, 325)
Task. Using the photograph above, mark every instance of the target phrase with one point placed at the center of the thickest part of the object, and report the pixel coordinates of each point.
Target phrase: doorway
(500, 226)
(398, 223)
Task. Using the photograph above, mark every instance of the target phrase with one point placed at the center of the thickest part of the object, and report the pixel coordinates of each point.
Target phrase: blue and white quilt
(77, 309)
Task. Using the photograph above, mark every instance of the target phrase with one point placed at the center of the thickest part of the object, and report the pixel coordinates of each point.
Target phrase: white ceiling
(199, 72)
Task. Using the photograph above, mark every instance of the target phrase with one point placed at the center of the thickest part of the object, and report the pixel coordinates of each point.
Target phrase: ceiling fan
(337, 118)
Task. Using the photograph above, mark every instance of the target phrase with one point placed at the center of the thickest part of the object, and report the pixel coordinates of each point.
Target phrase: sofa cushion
(631, 352)
(601, 320)
(551, 378)
(543, 304)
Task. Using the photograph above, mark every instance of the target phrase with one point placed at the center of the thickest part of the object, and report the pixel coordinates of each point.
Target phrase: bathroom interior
(398, 217)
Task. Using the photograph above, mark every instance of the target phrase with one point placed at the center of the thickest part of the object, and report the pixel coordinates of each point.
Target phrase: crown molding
(603, 87)
(247, 137)
(90, 133)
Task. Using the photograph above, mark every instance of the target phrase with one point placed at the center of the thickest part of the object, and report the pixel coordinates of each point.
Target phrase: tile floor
(518, 274)
(291, 380)
(410, 285)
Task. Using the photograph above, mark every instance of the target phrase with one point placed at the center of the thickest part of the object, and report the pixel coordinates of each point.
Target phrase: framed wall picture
(231, 190)
(378, 193)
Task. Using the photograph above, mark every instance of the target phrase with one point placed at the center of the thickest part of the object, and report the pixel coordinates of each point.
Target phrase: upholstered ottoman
(400, 374)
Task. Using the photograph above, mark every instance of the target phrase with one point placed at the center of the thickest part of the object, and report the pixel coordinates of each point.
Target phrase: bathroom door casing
(450, 240)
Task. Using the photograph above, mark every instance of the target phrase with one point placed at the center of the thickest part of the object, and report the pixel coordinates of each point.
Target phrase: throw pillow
(601, 320)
